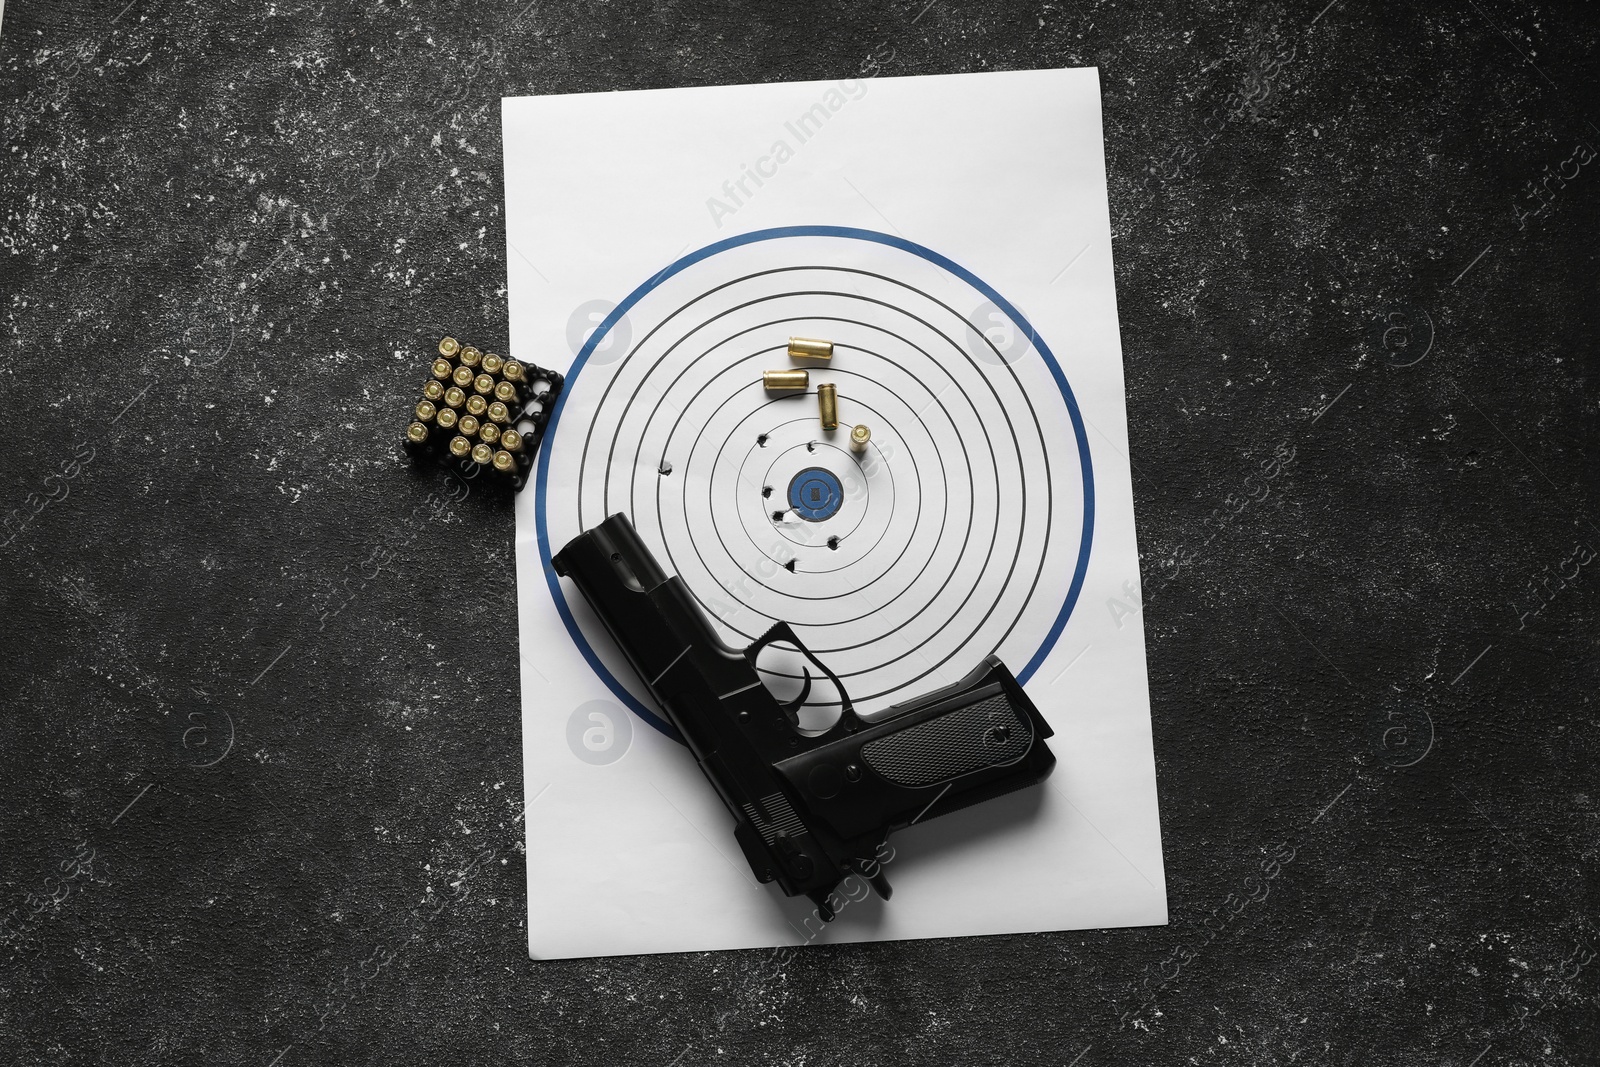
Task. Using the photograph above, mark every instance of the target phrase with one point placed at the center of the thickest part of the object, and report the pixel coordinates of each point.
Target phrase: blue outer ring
(542, 531)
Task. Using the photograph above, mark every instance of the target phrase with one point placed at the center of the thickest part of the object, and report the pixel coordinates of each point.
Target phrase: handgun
(810, 807)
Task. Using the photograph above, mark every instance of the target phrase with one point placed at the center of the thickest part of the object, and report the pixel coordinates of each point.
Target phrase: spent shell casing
(477, 405)
(511, 441)
(446, 419)
(504, 462)
(468, 425)
(462, 376)
(786, 381)
(482, 453)
(416, 433)
(859, 436)
(514, 372)
(426, 411)
(505, 392)
(498, 412)
(483, 384)
(448, 347)
(493, 364)
(442, 368)
(807, 348)
(460, 447)
(433, 389)
(488, 432)
(470, 357)
(828, 405)
(454, 397)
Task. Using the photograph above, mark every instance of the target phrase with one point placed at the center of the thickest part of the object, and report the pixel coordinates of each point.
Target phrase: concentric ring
(908, 582)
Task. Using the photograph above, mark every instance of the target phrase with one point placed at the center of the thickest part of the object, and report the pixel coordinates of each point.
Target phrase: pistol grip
(970, 741)
(989, 732)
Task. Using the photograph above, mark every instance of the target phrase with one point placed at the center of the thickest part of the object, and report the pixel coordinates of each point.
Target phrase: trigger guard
(782, 631)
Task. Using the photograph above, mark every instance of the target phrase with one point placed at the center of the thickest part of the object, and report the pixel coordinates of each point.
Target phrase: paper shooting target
(964, 529)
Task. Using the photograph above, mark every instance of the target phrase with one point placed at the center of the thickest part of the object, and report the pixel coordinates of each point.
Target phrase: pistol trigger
(792, 709)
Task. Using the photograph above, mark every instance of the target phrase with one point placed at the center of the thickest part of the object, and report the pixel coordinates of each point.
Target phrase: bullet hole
(811, 446)
(766, 490)
(777, 516)
(665, 468)
(789, 566)
(762, 441)
(833, 543)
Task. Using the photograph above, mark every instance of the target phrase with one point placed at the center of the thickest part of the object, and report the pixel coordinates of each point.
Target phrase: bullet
(454, 397)
(786, 381)
(510, 440)
(460, 447)
(498, 412)
(433, 390)
(447, 418)
(504, 462)
(483, 383)
(806, 348)
(449, 347)
(462, 376)
(416, 433)
(828, 405)
(442, 369)
(468, 425)
(488, 433)
(470, 357)
(514, 372)
(506, 393)
(426, 411)
(477, 405)
(859, 436)
(493, 364)
(482, 454)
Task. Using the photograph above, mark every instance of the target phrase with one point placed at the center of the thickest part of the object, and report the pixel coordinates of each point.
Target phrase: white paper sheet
(951, 236)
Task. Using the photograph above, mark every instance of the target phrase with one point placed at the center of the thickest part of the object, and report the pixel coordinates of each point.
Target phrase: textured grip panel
(989, 733)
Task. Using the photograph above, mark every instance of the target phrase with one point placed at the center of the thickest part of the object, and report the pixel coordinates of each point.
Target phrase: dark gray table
(261, 780)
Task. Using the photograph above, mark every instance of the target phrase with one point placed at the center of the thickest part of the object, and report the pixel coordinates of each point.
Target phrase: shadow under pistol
(809, 807)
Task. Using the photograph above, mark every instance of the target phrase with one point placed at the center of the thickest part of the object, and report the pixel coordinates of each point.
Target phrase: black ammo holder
(809, 807)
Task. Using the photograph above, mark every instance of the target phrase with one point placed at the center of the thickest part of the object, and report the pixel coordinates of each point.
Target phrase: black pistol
(809, 807)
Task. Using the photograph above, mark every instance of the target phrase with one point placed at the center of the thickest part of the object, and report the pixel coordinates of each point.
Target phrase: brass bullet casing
(828, 405)
(447, 418)
(460, 447)
(454, 397)
(468, 425)
(514, 372)
(426, 411)
(493, 364)
(510, 440)
(470, 357)
(504, 462)
(448, 347)
(462, 376)
(488, 433)
(806, 348)
(482, 453)
(442, 369)
(433, 390)
(483, 384)
(786, 381)
(859, 436)
(477, 405)
(498, 412)
(506, 393)
(416, 433)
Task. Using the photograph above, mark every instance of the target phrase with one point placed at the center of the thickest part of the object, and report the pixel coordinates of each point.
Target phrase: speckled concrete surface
(259, 755)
